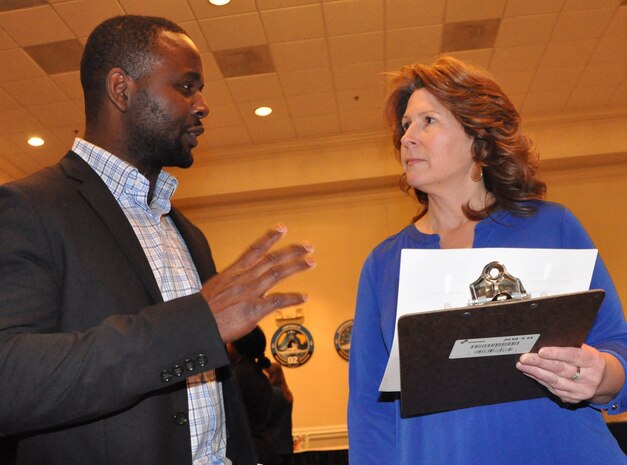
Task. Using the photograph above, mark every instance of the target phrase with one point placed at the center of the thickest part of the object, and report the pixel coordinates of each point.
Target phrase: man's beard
(148, 138)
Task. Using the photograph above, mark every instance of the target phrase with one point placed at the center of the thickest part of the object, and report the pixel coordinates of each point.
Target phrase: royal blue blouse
(539, 431)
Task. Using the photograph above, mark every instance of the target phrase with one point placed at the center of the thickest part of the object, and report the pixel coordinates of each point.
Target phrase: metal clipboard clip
(496, 285)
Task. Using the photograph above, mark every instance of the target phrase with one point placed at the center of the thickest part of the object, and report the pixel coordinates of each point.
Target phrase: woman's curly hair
(508, 159)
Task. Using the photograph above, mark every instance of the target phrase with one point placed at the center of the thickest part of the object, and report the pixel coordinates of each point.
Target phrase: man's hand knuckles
(277, 301)
(273, 258)
(257, 309)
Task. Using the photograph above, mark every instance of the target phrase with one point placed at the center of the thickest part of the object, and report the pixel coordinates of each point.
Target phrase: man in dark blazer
(95, 362)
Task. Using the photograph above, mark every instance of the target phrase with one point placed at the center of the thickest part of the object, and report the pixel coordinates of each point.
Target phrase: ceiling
(318, 63)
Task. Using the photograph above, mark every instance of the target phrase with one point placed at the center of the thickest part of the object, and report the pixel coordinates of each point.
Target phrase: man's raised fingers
(234, 324)
(239, 273)
(259, 248)
(282, 256)
(272, 276)
(276, 301)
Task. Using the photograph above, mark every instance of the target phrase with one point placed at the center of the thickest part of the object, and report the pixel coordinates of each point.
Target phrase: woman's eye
(429, 120)
(405, 126)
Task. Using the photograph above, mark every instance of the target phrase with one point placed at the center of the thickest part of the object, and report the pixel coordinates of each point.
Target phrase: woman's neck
(446, 218)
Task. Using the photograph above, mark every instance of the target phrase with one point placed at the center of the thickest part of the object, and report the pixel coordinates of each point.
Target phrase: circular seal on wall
(342, 339)
(292, 345)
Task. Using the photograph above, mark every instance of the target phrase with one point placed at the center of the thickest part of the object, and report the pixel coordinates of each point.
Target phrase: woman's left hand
(572, 374)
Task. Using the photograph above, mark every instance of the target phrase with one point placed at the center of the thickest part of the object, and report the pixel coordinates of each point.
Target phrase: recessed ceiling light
(263, 111)
(35, 141)
(219, 2)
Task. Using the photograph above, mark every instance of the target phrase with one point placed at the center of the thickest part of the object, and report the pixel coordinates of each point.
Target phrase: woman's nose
(407, 140)
(409, 136)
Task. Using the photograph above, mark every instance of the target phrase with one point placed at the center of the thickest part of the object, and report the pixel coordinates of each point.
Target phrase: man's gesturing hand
(237, 296)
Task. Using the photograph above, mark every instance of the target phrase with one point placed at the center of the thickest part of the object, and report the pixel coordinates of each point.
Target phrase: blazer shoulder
(70, 170)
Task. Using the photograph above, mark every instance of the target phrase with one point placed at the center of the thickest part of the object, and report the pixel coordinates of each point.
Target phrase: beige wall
(345, 209)
(344, 228)
(597, 194)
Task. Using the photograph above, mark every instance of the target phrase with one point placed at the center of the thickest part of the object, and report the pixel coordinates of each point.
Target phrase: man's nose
(200, 109)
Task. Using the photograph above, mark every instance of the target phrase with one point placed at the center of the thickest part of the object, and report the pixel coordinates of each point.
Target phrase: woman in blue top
(473, 171)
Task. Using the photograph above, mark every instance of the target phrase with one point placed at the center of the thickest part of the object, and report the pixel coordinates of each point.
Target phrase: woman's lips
(413, 162)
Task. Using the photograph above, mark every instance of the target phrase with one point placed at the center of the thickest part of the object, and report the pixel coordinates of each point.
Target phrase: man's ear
(118, 87)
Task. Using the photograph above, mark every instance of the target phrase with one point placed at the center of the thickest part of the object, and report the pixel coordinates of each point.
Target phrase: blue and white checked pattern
(176, 276)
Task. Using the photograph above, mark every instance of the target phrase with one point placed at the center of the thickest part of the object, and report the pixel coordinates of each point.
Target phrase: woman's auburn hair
(507, 157)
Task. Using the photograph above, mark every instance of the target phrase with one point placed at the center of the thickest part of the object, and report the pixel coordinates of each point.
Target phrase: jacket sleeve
(52, 378)
(371, 417)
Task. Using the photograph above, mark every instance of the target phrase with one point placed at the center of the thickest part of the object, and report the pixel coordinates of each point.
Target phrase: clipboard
(465, 357)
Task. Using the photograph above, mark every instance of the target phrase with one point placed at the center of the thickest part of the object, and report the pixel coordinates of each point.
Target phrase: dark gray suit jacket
(92, 361)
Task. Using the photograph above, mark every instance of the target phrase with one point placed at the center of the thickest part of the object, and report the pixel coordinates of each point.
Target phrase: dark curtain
(327, 457)
(619, 430)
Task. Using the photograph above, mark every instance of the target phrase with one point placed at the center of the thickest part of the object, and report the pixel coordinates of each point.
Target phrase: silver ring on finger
(576, 375)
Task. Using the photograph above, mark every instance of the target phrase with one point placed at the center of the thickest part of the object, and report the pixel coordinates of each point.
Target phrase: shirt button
(180, 418)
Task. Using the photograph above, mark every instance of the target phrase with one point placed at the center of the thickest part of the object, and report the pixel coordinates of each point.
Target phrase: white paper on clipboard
(438, 279)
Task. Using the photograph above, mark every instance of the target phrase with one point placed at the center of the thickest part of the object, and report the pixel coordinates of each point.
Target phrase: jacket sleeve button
(166, 376)
(201, 359)
(189, 365)
(180, 418)
(177, 370)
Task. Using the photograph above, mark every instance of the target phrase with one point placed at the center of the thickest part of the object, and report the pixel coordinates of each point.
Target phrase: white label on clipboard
(493, 346)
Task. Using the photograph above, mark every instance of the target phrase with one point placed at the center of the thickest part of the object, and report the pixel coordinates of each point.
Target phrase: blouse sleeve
(609, 331)
(371, 418)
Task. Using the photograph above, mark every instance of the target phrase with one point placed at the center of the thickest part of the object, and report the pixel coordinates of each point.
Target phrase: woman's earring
(476, 177)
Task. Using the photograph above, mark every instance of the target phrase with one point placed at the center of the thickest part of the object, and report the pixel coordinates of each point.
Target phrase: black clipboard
(432, 382)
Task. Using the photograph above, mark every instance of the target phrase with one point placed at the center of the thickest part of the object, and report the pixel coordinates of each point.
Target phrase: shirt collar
(124, 180)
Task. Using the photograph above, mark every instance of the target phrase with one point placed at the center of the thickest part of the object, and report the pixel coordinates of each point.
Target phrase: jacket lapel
(96, 193)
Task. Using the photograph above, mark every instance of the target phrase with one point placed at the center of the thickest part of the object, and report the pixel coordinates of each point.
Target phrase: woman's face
(435, 150)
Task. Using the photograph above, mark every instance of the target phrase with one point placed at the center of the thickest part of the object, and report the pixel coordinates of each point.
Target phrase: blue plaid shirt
(176, 276)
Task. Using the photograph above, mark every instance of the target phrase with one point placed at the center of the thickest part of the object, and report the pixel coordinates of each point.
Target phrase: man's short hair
(125, 42)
